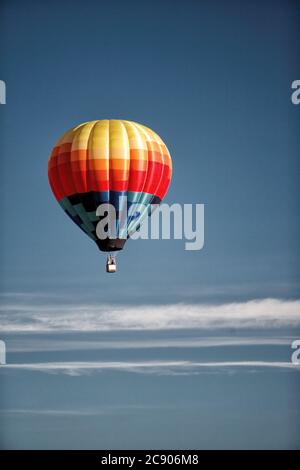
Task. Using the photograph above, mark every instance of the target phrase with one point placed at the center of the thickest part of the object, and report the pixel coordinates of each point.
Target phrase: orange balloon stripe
(74, 168)
(98, 181)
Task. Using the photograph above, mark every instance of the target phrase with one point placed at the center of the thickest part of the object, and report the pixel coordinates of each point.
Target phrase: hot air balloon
(109, 161)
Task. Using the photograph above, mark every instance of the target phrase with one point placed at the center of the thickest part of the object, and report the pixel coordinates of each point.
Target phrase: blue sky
(214, 80)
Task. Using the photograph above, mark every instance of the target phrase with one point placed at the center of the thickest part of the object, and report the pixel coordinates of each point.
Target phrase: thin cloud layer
(147, 367)
(95, 411)
(56, 343)
(267, 313)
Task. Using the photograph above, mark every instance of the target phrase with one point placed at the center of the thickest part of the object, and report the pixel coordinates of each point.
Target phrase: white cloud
(147, 367)
(99, 410)
(33, 344)
(252, 314)
(53, 412)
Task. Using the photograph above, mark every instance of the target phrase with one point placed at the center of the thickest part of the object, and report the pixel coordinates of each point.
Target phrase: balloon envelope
(109, 161)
